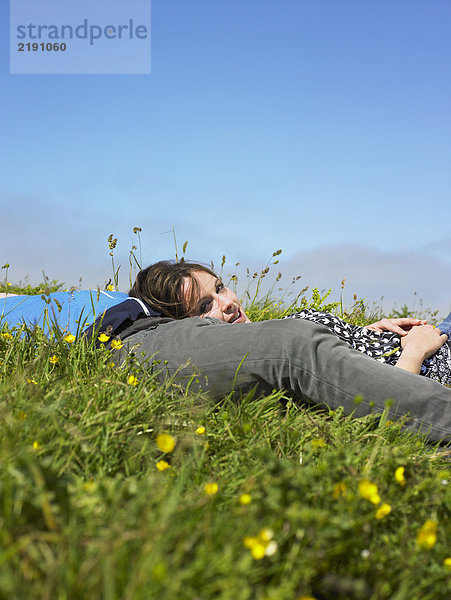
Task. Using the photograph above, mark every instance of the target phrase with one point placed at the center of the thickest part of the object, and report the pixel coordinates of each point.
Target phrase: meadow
(116, 486)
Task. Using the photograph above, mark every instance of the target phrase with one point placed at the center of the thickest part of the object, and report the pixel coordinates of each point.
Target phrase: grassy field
(115, 486)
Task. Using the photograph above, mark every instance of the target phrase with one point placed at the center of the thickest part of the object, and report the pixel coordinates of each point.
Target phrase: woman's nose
(225, 302)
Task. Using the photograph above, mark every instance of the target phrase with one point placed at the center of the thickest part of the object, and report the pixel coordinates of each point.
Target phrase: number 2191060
(42, 46)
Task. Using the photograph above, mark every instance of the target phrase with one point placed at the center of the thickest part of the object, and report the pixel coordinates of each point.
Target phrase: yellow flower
(211, 489)
(32, 381)
(69, 338)
(368, 491)
(7, 336)
(165, 442)
(447, 562)
(262, 544)
(388, 423)
(245, 499)
(383, 511)
(116, 344)
(258, 551)
(339, 489)
(36, 445)
(162, 465)
(110, 288)
(200, 430)
(54, 359)
(399, 475)
(103, 338)
(132, 380)
(427, 534)
(266, 534)
(21, 415)
(249, 541)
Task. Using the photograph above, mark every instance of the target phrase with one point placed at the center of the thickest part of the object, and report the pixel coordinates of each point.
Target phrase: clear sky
(321, 127)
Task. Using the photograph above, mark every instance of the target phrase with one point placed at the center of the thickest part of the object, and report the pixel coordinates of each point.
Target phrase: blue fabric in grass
(72, 312)
(445, 326)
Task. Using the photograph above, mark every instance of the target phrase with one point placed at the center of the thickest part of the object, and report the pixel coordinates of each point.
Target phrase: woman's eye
(204, 307)
(219, 288)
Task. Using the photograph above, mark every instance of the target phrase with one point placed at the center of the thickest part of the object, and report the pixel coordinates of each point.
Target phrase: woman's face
(214, 299)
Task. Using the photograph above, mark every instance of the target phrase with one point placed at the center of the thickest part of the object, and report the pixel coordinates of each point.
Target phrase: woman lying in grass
(181, 290)
(180, 321)
(204, 340)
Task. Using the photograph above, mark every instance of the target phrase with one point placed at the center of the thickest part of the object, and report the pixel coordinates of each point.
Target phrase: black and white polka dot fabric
(383, 346)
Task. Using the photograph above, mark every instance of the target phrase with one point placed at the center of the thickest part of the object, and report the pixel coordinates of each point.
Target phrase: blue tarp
(70, 311)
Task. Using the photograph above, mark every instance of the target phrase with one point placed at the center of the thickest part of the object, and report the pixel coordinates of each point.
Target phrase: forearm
(411, 360)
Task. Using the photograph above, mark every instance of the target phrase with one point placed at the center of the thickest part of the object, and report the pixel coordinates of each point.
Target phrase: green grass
(85, 512)
(24, 287)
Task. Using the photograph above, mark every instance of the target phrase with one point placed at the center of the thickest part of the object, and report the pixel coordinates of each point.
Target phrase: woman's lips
(238, 318)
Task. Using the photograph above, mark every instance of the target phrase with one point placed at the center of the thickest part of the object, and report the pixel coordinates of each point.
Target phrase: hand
(418, 344)
(423, 341)
(400, 326)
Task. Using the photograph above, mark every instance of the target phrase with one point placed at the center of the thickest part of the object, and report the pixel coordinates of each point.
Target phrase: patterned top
(383, 346)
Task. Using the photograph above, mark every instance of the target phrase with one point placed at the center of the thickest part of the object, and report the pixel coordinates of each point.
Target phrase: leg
(297, 355)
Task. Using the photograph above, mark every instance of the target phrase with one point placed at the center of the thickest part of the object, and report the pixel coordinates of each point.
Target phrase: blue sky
(318, 127)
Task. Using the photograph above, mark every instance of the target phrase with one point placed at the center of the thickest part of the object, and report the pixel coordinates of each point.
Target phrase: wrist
(414, 353)
(411, 359)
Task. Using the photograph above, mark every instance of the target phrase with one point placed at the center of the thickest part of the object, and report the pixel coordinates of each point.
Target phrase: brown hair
(160, 286)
